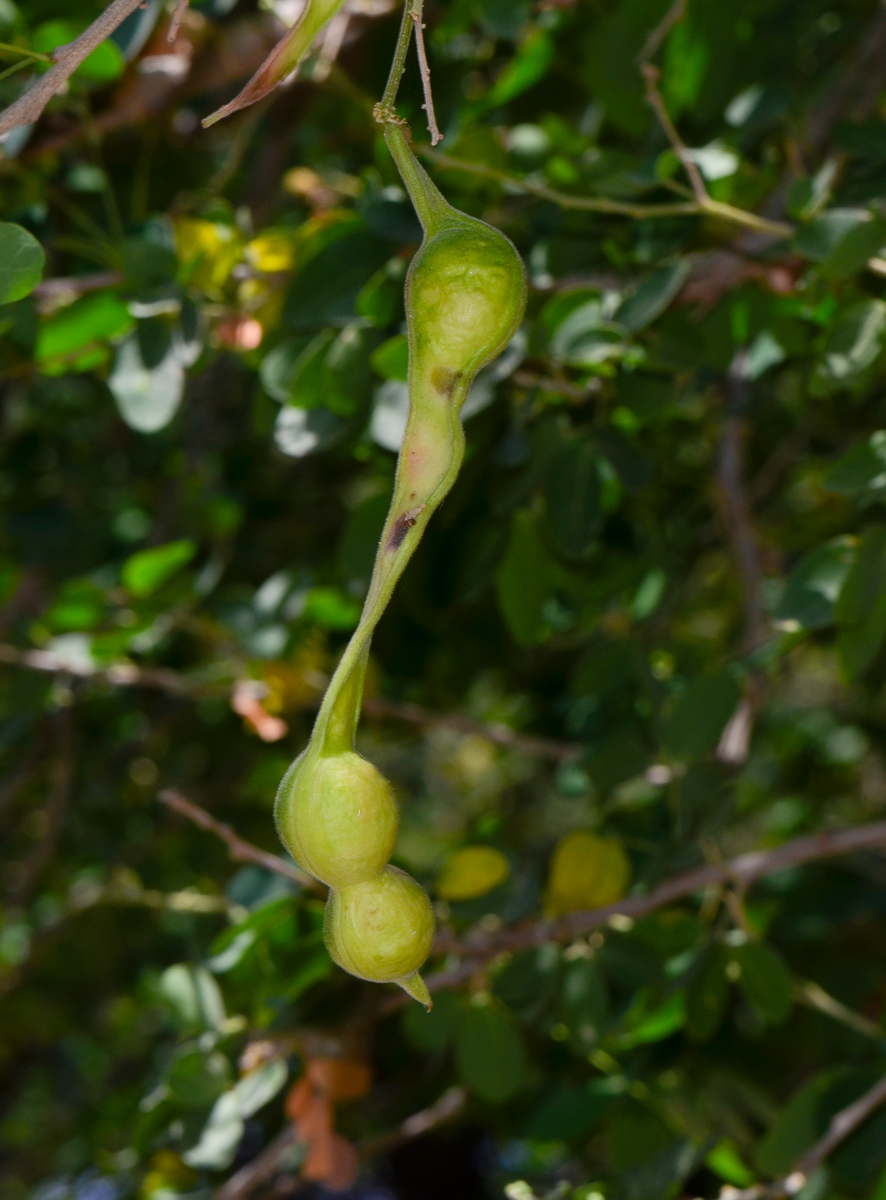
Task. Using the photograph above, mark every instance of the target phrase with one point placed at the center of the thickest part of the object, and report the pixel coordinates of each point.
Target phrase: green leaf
(434, 1031)
(854, 344)
(861, 472)
(707, 995)
(661, 1023)
(797, 1126)
(223, 1130)
(700, 714)
(584, 1001)
(22, 259)
(147, 570)
(280, 366)
(860, 610)
(361, 537)
(490, 1054)
(76, 338)
(822, 238)
(725, 1161)
(526, 68)
(652, 297)
(196, 1079)
(566, 1113)
(815, 584)
(193, 997)
(521, 582)
(572, 497)
(853, 250)
(765, 980)
(391, 359)
(325, 291)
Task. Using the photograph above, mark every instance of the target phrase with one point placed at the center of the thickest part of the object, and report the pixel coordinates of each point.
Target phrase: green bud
(381, 929)
(338, 817)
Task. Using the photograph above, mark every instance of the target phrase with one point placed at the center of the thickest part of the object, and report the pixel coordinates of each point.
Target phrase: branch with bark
(842, 1125)
(128, 674)
(480, 946)
(67, 58)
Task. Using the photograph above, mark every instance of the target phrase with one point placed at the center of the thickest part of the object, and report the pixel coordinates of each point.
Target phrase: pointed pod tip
(416, 987)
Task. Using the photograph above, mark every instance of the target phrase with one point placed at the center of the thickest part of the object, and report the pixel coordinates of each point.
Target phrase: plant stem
(412, 11)
(6, 47)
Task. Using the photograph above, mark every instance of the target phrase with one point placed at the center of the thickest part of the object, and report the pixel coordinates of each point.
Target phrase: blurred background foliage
(645, 632)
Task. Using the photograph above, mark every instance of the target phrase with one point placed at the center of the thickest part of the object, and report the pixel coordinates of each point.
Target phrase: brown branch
(842, 1125)
(261, 1169)
(651, 75)
(239, 849)
(479, 947)
(51, 293)
(446, 1108)
(126, 674)
(181, 7)
(672, 17)
(67, 58)
(121, 673)
(428, 106)
(266, 1165)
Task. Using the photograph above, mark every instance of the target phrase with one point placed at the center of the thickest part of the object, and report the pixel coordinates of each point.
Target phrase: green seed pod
(382, 930)
(465, 296)
(338, 817)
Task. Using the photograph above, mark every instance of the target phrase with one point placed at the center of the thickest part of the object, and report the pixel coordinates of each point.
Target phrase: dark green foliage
(664, 560)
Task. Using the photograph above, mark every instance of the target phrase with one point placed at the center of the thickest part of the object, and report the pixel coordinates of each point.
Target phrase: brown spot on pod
(444, 380)
(402, 526)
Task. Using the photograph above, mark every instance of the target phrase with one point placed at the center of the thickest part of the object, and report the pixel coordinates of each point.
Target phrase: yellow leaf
(272, 252)
(472, 872)
(210, 249)
(587, 871)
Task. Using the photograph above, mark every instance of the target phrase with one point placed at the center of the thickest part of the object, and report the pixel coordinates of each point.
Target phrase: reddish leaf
(283, 59)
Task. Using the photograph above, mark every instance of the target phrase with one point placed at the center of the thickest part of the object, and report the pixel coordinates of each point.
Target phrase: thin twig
(239, 849)
(181, 7)
(262, 1168)
(266, 1165)
(121, 673)
(672, 17)
(651, 75)
(842, 1125)
(617, 208)
(385, 110)
(446, 1108)
(428, 106)
(127, 674)
(809, 993)
(67, 59)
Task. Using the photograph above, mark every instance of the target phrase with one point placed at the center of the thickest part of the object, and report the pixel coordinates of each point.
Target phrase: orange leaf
(332, 1161)
(340, 1078)
(299, 1099)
